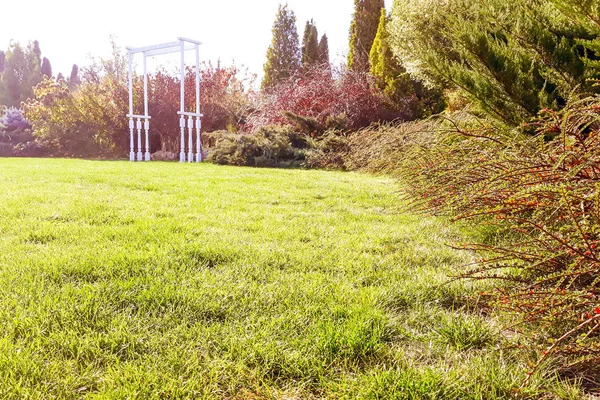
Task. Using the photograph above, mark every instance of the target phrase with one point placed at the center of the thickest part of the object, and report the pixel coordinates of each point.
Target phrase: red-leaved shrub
(322, 94)
(541, 195)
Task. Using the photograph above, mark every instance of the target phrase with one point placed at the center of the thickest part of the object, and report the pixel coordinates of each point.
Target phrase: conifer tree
(363, 29)
(511, 59)
(324, 51)
(2, 60)
(34, 66)
(391, 77)
(283, 56)
(14, 80)
(384, 67)
(74, 80)
(587, 15)
(310, 46)
(60, 77)
(46, 68)
(307, 30)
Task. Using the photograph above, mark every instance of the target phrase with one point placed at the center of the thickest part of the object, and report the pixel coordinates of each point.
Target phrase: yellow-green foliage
(390, 76)
(362, 32)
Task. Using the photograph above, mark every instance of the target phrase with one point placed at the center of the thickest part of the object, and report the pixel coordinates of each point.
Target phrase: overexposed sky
(70, 32)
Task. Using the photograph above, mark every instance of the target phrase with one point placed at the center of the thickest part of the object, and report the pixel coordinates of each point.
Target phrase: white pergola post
(182, 102)
(198, 115)
(143, 121)
(147, 120)
(130, 84)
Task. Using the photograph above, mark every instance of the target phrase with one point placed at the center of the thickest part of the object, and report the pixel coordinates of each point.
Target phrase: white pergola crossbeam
(194, 119)
(134, 50)
(168, 50)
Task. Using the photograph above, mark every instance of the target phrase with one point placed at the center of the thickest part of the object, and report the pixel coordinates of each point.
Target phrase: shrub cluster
(88, 119)
(269, 146)
(16, 138)
(326, 96)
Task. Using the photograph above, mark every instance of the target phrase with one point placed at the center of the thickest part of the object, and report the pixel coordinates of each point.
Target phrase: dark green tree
(283, 56)
(2, 60)
(585, 13)
(74, 80)
(60, 77)
(362, 32)
(310, 46)
(46, 68)
(324, 51)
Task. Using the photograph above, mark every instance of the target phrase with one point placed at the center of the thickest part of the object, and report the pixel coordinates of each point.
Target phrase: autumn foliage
(323, 94)
(89, 120)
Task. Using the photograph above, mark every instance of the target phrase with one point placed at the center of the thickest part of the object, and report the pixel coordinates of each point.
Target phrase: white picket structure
(194, 120)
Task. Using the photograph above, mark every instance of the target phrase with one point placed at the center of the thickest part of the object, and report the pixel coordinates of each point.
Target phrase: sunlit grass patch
(158, 280)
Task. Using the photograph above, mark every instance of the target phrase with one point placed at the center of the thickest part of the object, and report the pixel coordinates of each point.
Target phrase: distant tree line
(370, 56)
(21, 69)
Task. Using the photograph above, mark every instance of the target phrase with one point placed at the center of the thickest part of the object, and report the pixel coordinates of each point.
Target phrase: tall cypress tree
(310, 46)
(391, 77)
(14, 81)
(283, 56)
(388, 73)
(363, 29)
(46, 68)
(74, 80)
(324, 50)
(34, 66)
(307, 30)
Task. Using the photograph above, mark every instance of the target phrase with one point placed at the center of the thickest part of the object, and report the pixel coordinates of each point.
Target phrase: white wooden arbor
(135, 120)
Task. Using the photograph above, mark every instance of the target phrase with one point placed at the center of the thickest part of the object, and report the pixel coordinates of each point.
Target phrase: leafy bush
(88, 120)
(13, 120)
(225, 100)
(545, 193)
(6, 150)
(376, 149)
(85, 122)
(269, 146)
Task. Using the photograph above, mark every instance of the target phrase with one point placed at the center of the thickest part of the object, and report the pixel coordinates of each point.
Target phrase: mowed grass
(161, 280)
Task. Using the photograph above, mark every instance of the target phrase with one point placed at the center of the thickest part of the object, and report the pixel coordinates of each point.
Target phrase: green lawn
(161, 280)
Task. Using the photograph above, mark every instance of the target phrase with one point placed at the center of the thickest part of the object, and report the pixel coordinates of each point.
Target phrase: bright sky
(70, 31)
